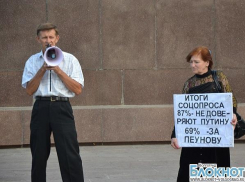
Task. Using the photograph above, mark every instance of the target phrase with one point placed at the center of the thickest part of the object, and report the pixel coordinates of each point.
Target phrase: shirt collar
(40, 54)
(205, 74)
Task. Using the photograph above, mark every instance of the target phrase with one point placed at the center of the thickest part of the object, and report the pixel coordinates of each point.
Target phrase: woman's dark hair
(47, 26)
(205, 55)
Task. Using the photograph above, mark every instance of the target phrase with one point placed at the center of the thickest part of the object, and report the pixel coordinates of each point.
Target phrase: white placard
(204, 120)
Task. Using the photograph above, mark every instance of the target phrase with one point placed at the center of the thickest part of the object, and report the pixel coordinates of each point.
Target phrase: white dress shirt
(53, 86)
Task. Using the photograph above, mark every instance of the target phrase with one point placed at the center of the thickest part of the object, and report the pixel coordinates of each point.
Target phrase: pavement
(112, 163)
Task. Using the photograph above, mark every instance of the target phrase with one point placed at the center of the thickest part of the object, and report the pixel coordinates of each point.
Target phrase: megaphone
(53, 56)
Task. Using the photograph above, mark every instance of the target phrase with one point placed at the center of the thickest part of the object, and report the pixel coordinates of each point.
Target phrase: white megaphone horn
(53, 55)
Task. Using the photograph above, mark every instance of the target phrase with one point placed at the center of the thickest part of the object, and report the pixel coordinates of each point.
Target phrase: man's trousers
(56, 117)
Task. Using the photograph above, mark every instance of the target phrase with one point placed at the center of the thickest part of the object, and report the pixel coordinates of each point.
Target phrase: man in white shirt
(52, 86)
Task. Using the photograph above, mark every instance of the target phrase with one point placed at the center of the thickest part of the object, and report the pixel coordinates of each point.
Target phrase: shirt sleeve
(184, 91)
(227, 88)
(28, 73)
(76, 71)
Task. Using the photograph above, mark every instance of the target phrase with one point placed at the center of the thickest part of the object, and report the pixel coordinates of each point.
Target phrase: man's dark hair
(47, 26)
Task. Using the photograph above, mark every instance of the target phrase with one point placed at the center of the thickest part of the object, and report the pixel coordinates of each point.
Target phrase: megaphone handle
(50, 79)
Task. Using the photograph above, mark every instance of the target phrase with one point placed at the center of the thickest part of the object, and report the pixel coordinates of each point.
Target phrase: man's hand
(56, 69)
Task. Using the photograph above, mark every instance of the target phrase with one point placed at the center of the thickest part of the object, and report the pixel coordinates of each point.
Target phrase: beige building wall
(133, 57)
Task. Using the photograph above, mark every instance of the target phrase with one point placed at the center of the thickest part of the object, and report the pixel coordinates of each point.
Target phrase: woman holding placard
(201, 63)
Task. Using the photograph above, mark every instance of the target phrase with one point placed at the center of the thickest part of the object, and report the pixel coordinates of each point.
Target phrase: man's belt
(52, 98)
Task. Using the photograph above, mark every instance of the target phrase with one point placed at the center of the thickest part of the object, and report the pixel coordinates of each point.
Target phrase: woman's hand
(174, 143)
(234, 121)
